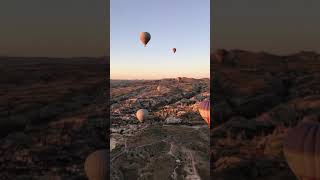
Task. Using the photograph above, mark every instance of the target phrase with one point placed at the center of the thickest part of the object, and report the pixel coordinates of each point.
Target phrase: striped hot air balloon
(204, 110)
(97, 165)
(302, 150)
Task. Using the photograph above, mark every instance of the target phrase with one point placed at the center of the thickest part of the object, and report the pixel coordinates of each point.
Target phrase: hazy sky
(183, 24)
(279, 26)
(54, 27)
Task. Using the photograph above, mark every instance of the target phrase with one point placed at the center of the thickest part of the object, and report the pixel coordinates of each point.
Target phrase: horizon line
(264, 51)
(57, 57)
(156, 79)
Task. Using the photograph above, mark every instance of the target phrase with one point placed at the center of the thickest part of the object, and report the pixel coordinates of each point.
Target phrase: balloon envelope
(97, 165)
(302, 150)
(142, 114)
(145, 38)
(204, 110)
(174, 50)
(159, 88)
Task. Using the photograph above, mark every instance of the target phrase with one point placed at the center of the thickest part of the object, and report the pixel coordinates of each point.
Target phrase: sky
(63, 28)
(276, 26)
(180, 24)
(54, 28)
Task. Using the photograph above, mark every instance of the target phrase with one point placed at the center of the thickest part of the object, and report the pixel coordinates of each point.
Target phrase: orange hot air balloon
(204, 110)
(142, 114)
(174, 50)
(96, 165)
(302, 150)
(145, 38)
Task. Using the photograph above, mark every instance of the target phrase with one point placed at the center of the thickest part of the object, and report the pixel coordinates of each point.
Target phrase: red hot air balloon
(204, 110)
(174, 50)
(302, 150)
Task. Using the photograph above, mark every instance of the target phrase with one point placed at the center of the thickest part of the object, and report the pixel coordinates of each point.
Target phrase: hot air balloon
(204, 110)
(145, 38)
(174, 50)
(142, 114)
(159, 88)
(302, 150)
(96, 165)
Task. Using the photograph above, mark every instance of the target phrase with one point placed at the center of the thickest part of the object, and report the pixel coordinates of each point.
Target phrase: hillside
(173, 143)
(257, 97)
(52, 115)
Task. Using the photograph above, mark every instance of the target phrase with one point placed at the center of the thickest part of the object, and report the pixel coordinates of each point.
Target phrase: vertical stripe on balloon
(204, 110)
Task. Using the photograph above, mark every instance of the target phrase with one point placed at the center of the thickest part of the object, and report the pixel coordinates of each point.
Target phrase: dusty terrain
(53, 113)
(173, 143)
(257, 97)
